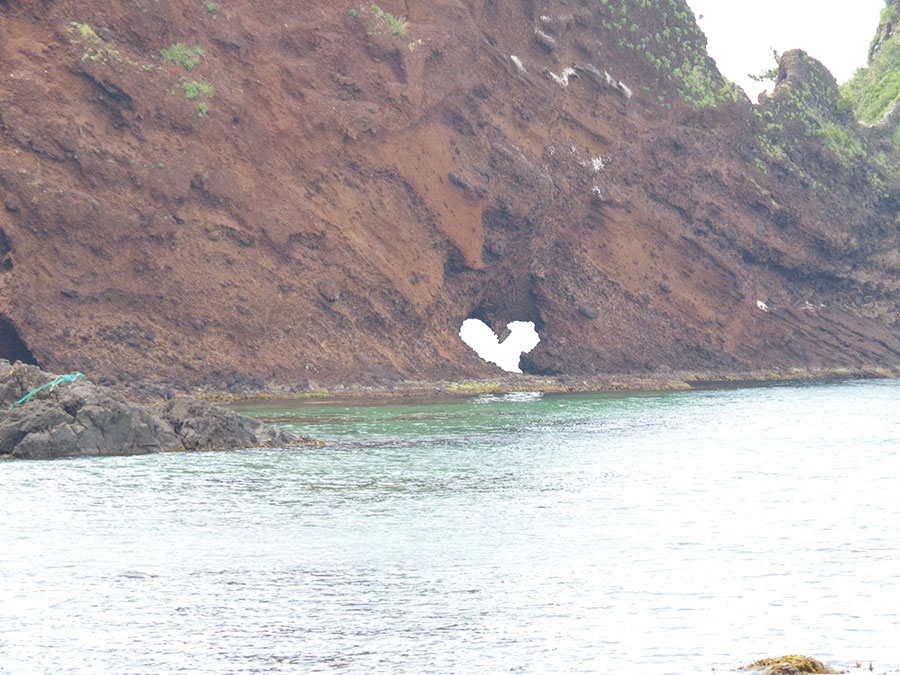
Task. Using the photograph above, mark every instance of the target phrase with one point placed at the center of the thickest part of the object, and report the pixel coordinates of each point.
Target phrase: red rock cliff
(287, 191)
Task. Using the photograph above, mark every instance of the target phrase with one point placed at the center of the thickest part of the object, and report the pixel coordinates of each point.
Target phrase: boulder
(789, 665)
(591, 313)
(23, 421)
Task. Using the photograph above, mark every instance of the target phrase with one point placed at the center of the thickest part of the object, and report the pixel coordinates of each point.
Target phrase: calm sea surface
(646, 534)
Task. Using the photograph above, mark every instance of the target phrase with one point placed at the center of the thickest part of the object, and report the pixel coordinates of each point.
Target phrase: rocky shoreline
(70, 416)
(44, 416)
(509, 383)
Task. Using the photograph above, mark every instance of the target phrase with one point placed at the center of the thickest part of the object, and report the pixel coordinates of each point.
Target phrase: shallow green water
(659, 533)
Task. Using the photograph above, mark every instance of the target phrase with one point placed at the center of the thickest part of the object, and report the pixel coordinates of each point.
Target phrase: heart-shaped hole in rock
(519, 338)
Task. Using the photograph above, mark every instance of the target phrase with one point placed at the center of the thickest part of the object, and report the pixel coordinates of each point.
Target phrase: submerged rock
(789, 665)
(76, 418)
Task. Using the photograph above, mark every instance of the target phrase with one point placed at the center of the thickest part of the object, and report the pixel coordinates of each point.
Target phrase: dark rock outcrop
(80, 419)
(202, 425)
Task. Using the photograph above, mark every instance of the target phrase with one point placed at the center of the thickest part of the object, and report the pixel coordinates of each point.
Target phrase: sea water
(649, 534)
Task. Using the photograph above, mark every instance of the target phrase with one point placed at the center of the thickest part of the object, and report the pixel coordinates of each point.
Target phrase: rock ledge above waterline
(77, 418)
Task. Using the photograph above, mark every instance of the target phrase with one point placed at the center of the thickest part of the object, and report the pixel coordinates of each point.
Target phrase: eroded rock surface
(238, 193)
(77, 419)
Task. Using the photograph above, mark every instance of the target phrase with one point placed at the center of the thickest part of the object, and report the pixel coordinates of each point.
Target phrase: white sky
(479, 336)
(742, 33)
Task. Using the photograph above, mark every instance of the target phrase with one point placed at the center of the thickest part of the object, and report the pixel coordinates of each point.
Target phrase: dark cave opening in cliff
(12, 347)
(519, 337)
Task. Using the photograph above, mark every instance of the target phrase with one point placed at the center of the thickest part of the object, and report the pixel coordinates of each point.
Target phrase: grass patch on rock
(189, 57)
(193, 89)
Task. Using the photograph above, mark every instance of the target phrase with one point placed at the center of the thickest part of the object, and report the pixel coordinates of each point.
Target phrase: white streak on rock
(561, 81)
(544, 37)
(519, 66)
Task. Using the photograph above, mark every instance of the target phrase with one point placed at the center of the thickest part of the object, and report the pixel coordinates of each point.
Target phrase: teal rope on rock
(59, 379)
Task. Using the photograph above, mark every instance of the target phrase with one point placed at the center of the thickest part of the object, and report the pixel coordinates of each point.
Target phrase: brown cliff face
(327, 195)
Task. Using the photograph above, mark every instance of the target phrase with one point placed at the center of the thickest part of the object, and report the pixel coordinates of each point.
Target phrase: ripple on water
(535, 534)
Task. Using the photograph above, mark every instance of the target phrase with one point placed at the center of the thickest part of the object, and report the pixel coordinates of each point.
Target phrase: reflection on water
(657, 533)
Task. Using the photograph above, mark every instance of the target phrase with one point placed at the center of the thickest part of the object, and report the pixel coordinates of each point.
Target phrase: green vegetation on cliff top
(666, 34)
(875, 90)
